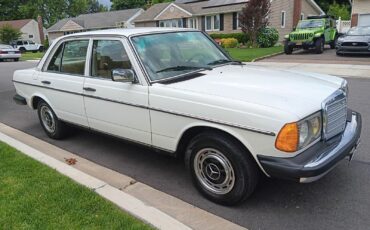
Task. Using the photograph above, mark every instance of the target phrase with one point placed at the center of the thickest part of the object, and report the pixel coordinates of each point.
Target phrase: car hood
(355, 39)
(289, 91)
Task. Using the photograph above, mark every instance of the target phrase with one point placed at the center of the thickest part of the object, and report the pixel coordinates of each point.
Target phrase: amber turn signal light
(288, 138)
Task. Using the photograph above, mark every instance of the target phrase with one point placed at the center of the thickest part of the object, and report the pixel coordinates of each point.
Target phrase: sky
(105, 2)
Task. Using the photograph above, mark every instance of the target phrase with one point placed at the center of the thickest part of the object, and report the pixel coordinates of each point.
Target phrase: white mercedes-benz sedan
(177, 91)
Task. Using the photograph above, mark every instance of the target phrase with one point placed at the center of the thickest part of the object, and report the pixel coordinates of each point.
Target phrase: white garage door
(364, 20)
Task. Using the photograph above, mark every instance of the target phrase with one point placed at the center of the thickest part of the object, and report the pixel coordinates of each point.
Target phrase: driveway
(338, 201)
(328, 57)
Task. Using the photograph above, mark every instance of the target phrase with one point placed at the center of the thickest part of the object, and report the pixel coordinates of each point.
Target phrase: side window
(74, 57)
(56, 60)
(108, 55)
(19, 43)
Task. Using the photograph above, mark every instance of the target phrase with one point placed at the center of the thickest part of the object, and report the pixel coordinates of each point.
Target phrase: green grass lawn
(249, 54)
(31, 56)
(34, 196)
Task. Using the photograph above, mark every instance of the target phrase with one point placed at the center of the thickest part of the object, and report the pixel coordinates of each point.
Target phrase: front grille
(303, 36)
(335, 115)
(355, 44)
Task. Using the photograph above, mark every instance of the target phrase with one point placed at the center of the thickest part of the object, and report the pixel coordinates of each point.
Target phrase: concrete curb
(267, 56)
(123, 200)
(185, 213)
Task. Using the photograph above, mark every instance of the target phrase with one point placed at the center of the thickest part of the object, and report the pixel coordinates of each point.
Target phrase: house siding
(146, 24)
(361, 7)
(277, 6)
(308, 9)
(55, 35)
(176, 13)
(31, 28)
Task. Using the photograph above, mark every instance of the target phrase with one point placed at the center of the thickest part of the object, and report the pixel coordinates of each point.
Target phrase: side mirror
(123, 75)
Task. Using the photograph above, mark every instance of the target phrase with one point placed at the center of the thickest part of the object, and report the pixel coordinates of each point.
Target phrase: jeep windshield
(173, 55)
(307, 24)
(359, 31)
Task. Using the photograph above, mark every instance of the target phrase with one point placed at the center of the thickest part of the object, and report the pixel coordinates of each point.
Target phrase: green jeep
(314, 32)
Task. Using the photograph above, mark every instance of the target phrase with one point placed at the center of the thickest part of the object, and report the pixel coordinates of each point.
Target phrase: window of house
(70, 57)
(283, 19)
(213, 22)
(108, 55)
(30, 36)
(171, 23)
(192, 23)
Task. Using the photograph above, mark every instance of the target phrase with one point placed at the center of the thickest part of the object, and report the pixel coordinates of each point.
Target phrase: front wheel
(221, 169)
(52, 126)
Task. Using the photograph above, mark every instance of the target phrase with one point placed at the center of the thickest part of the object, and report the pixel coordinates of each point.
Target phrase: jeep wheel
(333, 43)
(319, 45)
(52, 126)
(221, 169)
(22, 50)
(288, 49)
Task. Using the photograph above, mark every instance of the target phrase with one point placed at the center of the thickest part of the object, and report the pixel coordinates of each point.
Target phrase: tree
(8, 34)
(95, 7)
(127, 4)
(325, 4)
(339, 10)
(254, 17)
(160, 1)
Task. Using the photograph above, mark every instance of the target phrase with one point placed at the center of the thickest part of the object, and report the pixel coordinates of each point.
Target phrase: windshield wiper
(182, 67)
(223, 61)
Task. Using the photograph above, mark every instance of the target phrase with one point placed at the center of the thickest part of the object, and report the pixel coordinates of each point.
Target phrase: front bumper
(353, 50)
(301, 44)
(10, 56)
(319, 159)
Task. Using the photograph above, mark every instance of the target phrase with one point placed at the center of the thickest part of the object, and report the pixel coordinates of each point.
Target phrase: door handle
(46, 82)
(89, 89)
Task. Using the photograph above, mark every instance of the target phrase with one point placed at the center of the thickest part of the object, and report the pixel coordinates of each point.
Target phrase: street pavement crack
(132, 182)
(94, 189)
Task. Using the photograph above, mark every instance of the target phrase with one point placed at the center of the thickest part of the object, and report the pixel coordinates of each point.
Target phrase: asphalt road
(341, 200)
(328, 57)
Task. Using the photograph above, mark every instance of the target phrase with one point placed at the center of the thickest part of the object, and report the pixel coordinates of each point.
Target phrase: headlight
(344, 87)
(298, 135)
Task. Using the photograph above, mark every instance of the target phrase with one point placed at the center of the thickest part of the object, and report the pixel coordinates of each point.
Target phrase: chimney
(297, 12)
(41, 29)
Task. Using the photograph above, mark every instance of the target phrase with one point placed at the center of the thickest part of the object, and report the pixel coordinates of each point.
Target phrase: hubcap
(214, 171)
(47, 119)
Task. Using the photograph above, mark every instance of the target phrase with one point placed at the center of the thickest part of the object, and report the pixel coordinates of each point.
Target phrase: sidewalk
(146, 203)
(342, 70)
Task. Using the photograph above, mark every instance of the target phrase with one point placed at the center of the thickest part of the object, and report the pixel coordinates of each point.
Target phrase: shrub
(267, 37)
(241, 37)
(8, 34)
(229, 42)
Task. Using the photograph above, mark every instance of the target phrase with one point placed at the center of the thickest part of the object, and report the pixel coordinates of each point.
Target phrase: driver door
(117, 108)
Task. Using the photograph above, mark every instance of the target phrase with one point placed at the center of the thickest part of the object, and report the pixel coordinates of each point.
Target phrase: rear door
(62, 80)
(118, 108)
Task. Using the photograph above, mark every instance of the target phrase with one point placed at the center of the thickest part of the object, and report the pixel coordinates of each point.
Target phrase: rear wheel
(319, 45)
(221, 169)
(52, 126)
(22, 50)
(333, 43)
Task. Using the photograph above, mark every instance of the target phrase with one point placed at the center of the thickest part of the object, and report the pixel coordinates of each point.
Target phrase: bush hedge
(267, 37)
(229, 42)
(241, 37)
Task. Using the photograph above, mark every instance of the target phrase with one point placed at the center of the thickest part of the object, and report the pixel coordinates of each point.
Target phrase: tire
(288, 49)
(16, 59)
(52, 126)
(209, 156)
(319, 45)
(333, 43)
(41, 49)
(22, 50)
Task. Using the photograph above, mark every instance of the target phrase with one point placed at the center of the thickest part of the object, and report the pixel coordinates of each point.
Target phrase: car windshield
(359, 31)
(5, 47)
(310, 24)
(168, 55)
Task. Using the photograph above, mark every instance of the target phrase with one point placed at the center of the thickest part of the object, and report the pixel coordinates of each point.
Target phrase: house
(360, 12)
(30, 28)
(221, 16)
(96, 21)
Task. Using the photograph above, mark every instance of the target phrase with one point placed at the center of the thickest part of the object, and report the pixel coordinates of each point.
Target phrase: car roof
(128, 32)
